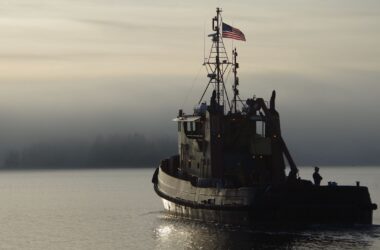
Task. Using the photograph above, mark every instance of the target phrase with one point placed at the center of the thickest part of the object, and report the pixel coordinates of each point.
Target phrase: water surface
(117, 209)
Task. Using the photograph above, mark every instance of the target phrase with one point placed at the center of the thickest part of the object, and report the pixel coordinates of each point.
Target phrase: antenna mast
(217, 62)
(236, 79)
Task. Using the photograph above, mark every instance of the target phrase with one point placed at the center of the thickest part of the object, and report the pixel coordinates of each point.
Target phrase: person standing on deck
(317, 177)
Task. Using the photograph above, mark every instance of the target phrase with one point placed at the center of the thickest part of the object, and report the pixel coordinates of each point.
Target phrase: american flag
(231, 32)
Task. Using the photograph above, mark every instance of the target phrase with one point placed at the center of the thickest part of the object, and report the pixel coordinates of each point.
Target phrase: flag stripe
(231, 32)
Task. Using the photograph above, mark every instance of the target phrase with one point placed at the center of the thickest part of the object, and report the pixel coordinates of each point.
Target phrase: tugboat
(230, 167)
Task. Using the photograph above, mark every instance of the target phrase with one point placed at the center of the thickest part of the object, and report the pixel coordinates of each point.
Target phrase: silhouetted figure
(317, 177)
(293, 176)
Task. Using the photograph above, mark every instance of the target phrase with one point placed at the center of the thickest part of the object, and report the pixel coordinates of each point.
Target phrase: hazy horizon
(79, 69)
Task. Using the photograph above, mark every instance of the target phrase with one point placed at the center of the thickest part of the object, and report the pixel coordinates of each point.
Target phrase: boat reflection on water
(176, 233)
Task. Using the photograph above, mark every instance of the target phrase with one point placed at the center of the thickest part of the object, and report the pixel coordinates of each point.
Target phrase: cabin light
(218, 135)
(261, 157)
(274, 136)
(253, 156)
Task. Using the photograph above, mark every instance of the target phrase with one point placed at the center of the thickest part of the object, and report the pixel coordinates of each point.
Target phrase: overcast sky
(79, 68)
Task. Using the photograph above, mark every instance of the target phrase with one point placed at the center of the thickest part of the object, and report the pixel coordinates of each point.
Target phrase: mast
(236, 79)
(217, 59)
(217, 62)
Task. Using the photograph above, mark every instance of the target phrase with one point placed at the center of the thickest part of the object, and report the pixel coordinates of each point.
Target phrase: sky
(88, 67)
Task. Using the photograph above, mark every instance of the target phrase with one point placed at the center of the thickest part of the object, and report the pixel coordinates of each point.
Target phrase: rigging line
(228, 73)
(192, 86)
(204, 92)
(242, 102)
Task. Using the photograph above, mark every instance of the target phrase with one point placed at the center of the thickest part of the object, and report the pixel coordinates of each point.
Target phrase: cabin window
(198, 165)
(190, 126)
(260, 128)
(189, 164)
(179, 127)
(186, 126)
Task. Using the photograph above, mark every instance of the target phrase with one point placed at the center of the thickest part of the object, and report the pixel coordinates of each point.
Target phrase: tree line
(132, 150)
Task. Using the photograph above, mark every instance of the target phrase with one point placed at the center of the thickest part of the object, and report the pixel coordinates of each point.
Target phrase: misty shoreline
(104, 152)
(117, 151)
(8, 169)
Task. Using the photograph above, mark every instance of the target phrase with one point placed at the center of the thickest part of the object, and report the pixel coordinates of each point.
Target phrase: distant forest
(133, 150)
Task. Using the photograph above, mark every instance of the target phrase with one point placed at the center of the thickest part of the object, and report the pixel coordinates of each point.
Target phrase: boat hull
(282, 205)
(280, 217)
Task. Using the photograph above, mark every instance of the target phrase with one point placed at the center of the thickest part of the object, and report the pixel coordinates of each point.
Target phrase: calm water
(117, 209)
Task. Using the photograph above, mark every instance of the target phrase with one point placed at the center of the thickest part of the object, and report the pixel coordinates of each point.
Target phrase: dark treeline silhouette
(134, 150)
